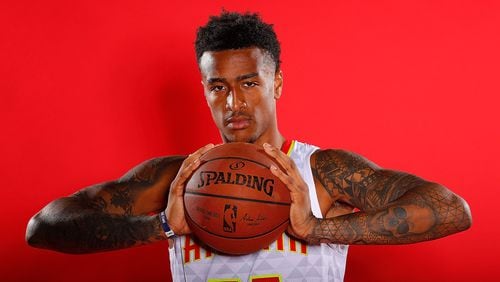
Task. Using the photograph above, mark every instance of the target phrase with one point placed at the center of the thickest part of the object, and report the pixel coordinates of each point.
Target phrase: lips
(237, 122)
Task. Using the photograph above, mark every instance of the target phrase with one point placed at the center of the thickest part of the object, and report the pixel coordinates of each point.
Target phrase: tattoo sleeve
(106, 216)
(395, 207)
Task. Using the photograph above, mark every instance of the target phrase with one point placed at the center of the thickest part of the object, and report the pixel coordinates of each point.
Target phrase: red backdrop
(91, 88)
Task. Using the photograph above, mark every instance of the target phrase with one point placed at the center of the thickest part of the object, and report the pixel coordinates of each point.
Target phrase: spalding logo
(237, 165)
(259, 183)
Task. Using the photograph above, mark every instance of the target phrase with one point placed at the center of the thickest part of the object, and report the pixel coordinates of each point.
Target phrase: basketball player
(239, 59)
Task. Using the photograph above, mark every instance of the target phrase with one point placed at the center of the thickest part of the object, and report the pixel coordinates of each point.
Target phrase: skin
(241, 89)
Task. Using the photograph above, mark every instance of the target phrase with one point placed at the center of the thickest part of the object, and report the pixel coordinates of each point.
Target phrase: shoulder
(332, 155)
(339, 159)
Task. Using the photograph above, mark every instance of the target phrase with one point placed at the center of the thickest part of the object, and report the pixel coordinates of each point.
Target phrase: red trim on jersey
(286, 146)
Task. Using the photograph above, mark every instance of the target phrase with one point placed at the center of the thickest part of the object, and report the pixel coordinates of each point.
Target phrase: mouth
(237, 122)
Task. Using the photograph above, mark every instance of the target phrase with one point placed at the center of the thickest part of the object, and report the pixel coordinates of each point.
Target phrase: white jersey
(285, 259)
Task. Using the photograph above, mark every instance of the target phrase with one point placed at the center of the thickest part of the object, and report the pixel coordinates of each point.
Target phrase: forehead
(234, 62)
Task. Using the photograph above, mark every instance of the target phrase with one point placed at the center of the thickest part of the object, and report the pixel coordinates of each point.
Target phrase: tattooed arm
(110, 215)
(395, 207)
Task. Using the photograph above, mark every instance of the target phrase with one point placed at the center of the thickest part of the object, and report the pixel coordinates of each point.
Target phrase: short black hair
(232, 30)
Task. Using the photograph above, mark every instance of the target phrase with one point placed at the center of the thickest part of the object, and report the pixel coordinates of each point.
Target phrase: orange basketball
(234, 204)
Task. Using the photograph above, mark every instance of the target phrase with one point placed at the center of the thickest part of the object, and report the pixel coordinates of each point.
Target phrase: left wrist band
(164, 225)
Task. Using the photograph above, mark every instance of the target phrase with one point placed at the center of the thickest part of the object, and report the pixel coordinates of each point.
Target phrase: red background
(91, 88)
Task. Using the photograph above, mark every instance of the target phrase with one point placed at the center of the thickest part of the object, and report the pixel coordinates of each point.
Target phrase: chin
(236, 138)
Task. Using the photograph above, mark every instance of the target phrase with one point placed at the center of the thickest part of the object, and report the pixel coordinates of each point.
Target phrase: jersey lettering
(293, 246)
(194, 252)
(254, 278)
(191, 247)
(266, 278)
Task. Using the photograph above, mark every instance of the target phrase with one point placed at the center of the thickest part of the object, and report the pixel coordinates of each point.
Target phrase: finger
(271, 150)
(193, 160)
(292, 184)
(285, 178)
(190, 164)
(291, 175)
(204, 149)
(284, 160)
(198, 153)
(187, 170)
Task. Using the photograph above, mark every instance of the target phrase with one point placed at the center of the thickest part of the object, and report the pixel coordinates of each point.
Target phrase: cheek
(213, 103)
(266, 106)
(217, 109)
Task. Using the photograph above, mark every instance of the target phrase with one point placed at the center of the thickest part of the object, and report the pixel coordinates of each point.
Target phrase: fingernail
(267, 145)
(273, 167)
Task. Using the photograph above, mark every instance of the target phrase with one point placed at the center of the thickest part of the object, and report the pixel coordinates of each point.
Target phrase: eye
(217, 88)
(250, 84)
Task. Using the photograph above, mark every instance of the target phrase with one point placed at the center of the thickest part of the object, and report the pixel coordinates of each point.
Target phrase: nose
(235, 101)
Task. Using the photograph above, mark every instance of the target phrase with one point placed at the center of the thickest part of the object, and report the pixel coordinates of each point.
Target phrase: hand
(175, 207)
(302, 220)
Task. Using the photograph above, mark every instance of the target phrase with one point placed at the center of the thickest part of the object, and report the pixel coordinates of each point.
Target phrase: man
(238, 56)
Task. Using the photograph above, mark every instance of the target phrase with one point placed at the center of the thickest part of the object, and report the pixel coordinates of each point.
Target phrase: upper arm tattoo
(359, 182)
(396, 207)
(118, 197)
(147, 172)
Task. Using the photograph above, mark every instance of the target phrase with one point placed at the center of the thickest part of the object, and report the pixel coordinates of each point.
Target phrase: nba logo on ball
(230, 214)
(233, 203)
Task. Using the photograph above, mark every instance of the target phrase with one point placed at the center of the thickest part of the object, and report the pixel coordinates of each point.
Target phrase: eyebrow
(247, 76)
(239, 78)
(216, 79)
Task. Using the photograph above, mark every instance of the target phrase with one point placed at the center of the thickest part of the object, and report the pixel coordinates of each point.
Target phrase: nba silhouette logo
(230, 213)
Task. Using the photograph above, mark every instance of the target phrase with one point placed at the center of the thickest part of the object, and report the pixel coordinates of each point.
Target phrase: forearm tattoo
(395, 207)
(102, 217)
(103, 227)
(93, 230)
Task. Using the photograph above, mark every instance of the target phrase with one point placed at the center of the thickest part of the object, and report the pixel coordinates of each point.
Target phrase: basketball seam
(239, 158)
(236, 198)
(236, 238)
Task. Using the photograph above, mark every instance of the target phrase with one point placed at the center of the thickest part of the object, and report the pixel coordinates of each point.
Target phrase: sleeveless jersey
(285, 259)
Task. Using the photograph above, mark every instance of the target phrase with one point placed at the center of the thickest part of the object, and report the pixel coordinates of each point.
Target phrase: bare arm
(107, 216)
(395, 207)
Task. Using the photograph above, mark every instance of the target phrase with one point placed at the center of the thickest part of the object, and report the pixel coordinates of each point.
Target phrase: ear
(278, 84)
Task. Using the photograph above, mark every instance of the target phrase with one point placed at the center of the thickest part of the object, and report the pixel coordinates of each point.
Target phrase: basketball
(233, 203)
